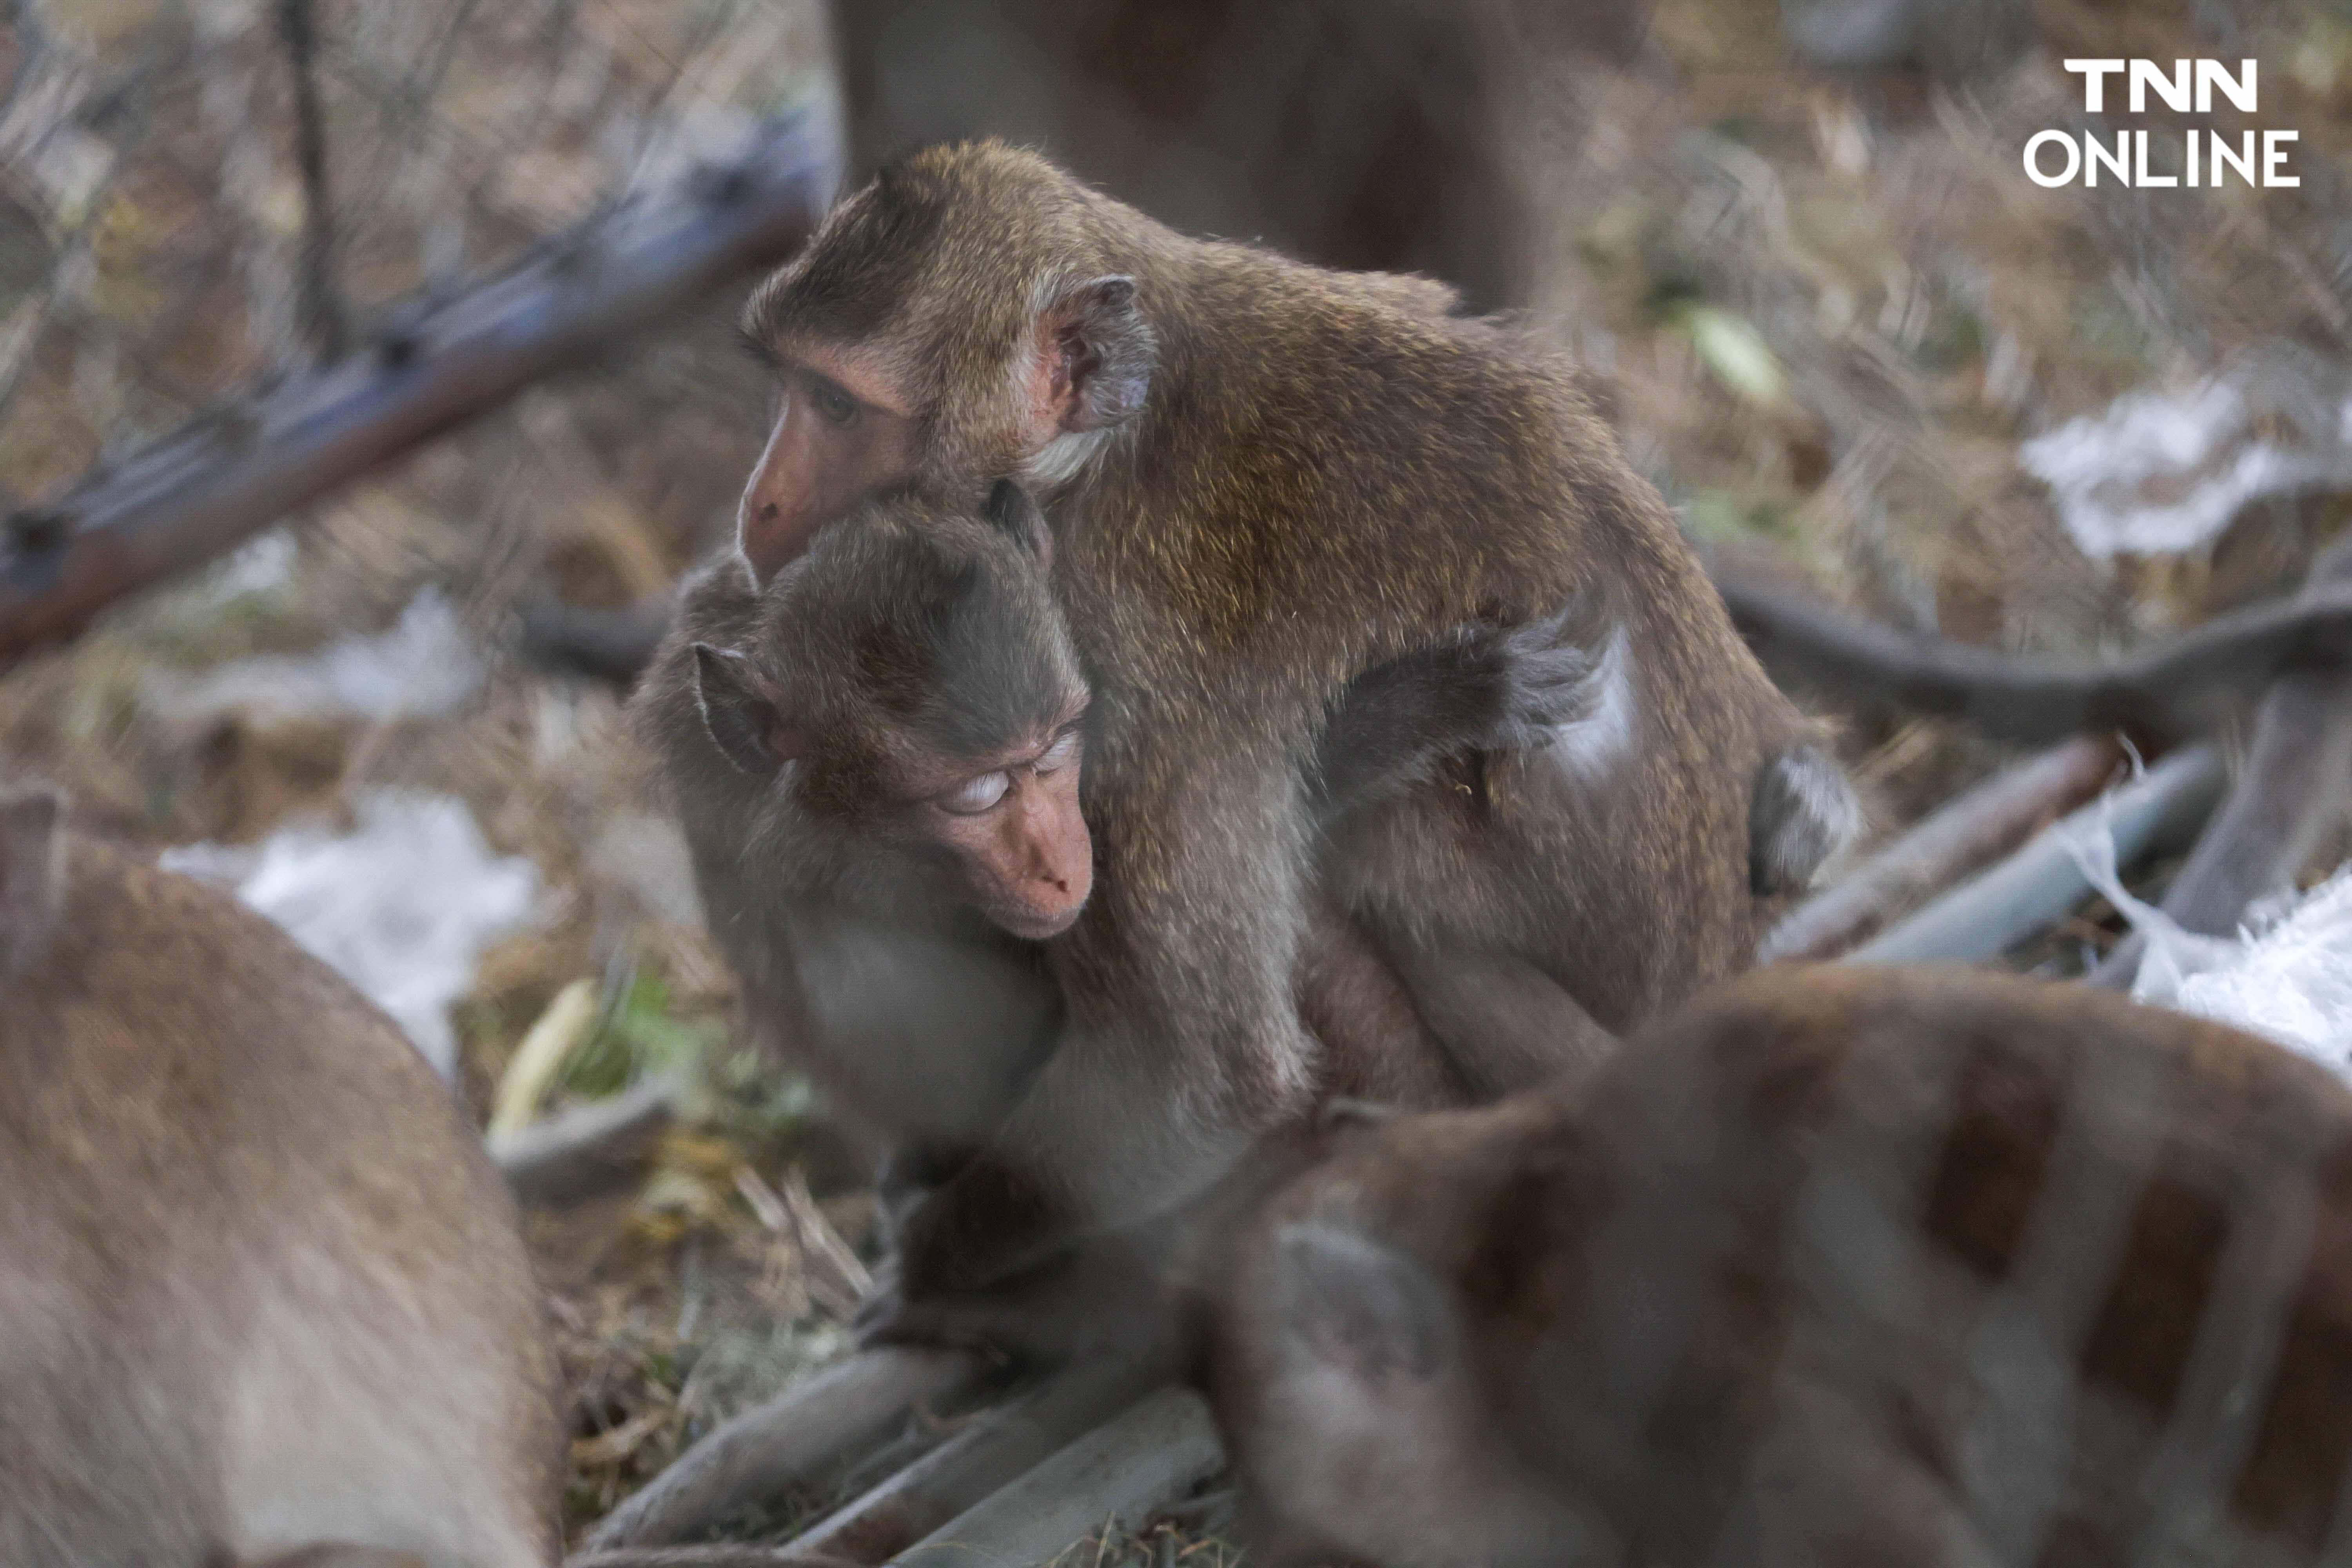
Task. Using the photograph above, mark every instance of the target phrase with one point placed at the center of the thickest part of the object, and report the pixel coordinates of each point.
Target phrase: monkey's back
(1961, 1265)
(258, 1284)
(1356, 476)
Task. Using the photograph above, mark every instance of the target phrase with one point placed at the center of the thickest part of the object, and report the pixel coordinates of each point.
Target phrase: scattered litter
(531, 1071)
(2286, 975)
(425, 666)
(402, 906)
(262, 565)
(2164, 472)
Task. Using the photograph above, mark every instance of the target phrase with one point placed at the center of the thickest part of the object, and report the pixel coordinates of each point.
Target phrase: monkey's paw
(1540, 677)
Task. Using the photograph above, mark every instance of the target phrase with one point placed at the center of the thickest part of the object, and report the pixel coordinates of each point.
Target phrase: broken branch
(1963, 835)
(2173, 691)
(2292, 793)
(236, 470)
(818, 1426)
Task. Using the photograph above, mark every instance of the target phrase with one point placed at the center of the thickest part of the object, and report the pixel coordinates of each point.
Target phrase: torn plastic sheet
(402, 906)
(425, 666)
(2286, 975)
(2165, 472)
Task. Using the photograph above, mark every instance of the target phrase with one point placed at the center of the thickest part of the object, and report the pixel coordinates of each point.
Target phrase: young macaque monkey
(1840, 1265)
(877, 760)
(1264, 480)
(261, 1296)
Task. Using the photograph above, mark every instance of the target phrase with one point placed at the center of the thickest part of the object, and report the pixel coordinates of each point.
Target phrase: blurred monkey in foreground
(261, 1297)
(1839, 1265)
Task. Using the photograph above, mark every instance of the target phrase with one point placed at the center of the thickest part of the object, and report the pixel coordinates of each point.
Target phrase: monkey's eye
(975, 795)
(1059, 755)
(836, 406)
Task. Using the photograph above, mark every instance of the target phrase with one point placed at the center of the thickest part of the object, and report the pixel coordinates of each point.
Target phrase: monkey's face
(1016, 834)
(843, 434)
(950, 324)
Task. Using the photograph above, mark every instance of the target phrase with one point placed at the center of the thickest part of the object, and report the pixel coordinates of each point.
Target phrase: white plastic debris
(2164, 472)
(425, 666)
(2287, 974)
(402, 906)
(262, 565)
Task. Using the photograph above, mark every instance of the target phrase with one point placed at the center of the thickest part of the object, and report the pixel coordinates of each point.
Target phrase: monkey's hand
(1535, 680)
(1486, 689)
(1109, 1294)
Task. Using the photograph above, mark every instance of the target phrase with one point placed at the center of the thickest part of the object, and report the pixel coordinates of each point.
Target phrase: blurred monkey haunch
(260, 1289)
(1263, 480)
(1839, 1265)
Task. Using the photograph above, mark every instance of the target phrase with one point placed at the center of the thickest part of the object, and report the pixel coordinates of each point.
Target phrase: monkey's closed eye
(975, 795)
(1059, 755)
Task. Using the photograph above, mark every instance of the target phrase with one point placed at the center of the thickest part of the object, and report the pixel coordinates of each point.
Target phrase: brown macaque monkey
(1264, 479)
(878, 760)
(1839, 1265)
(261, 1296)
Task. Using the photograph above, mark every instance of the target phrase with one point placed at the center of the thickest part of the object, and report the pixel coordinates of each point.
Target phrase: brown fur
(1839, 1265)
(914, 637)
(259, 1287)
(1275, 478)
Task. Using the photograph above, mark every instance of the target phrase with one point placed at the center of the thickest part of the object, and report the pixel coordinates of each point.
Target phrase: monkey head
(959, 319)
(909, 684)
(1370, 1330)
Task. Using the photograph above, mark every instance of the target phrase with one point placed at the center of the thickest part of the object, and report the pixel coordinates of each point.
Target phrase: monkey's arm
(1506, 1025)
(1184, 1042)
(1490, 689)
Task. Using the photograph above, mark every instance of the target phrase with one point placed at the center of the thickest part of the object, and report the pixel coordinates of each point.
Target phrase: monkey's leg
(1505, 1024)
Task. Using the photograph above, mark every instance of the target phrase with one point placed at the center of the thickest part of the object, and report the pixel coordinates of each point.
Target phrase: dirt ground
(1833, 310)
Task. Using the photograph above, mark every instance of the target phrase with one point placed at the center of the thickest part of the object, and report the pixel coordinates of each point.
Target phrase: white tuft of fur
(1803, 815)
(1063, 459)
(1596, 745)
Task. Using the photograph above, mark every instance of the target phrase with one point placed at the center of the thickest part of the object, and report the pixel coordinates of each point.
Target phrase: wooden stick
(2173, 691)
(711, 1556)
(1985, 917)
(585, 1148)
(1962, 837)
(813, 1430)
(2293, 790)
(1126, 1469)
(196, 494)
(990, 1452)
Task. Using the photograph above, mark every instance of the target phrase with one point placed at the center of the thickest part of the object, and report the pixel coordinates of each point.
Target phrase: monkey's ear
(1359, 1307)
(32, 875)
(1011, 509)
(1095, 356)
(1800, 814)
(743, 721)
